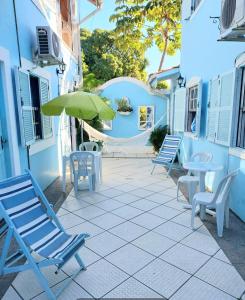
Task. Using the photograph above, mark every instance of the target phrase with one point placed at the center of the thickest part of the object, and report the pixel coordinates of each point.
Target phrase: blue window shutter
(179, 110)
(225, 110)
(44, 98)
(25, 109)
(199, 108)
(186, 9)
(213, 102)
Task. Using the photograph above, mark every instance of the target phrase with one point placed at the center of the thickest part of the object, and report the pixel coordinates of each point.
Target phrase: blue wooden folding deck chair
(167, 152)
(31, 221)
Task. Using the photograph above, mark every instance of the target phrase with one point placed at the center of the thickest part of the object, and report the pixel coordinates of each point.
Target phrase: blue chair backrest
(23, 210)
(169, 147)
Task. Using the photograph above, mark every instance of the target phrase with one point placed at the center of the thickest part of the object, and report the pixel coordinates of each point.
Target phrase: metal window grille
(241, 118)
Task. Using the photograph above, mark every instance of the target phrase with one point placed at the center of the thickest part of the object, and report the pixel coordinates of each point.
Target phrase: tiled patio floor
(141, 243)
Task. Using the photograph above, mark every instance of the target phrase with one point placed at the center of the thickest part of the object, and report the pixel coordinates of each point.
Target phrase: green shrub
(157, 136)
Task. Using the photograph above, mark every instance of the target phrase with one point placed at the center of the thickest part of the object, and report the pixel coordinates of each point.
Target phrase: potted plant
(123, 106)
(157, 136)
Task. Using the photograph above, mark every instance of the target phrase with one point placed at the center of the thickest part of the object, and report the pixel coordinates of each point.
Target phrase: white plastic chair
(89, 146)
(218, 201)
(191, 180)
(82, 164)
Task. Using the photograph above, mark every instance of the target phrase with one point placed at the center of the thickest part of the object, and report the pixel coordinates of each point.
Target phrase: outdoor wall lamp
(181, 81)
(61, 69)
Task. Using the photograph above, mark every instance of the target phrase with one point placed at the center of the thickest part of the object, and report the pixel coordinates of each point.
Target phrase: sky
(101, 20)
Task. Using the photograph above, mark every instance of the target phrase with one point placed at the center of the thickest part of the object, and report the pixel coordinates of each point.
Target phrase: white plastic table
(202, 168)
(97, 165)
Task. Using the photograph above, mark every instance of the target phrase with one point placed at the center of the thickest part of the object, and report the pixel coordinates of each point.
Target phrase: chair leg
(227, 216)
(80, 262)
(202, 211)
(220, 214)
(153, 169)
(193, 213)
(76, 184)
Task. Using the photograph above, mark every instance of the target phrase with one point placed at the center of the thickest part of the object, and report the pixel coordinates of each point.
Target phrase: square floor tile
(127, 212)
(154, 243)
(74, 204)
(201, 242)
(85, 227)
(173, 231)
(197, 289)
(155, 187)
(62, 212)
(72, 291)
(88, 257)
(148, 221)
(130, 258)
(27, 285)
(104, 243)
(172, 192)
(141, 192)
(144, 204)
(185, 219)
(90, 212)
(110, 204)
(111, 193)
(70, 220)
(11, 295)
(128, 231)
(100, 278)
(126, 187)
(165, 212)
(159, 198)
(131, 289)
(95, 198)
(126, 198)
(221, 256)
(185, 258)
(176, 204)
(162, 277)
(107, 221)
(222, 276)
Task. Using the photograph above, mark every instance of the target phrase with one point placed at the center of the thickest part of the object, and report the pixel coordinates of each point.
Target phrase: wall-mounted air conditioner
(232, 20)
(48, 52)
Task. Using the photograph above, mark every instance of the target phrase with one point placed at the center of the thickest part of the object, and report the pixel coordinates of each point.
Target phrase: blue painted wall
(44, 164)
(202, 55)
(127, 126)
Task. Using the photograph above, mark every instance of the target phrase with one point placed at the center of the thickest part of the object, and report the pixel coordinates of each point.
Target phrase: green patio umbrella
(81, 105)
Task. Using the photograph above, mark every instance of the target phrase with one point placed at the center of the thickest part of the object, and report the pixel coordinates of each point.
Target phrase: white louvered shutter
(44, 98)
(179, 110)
(186, 9)
(25, 109)
(213, 102)
(224, 117)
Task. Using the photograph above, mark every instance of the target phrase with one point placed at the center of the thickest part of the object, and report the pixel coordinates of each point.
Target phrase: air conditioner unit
(48, 52)
(232, 20)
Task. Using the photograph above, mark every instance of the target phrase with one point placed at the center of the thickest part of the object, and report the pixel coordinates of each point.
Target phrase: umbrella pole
(82, 131)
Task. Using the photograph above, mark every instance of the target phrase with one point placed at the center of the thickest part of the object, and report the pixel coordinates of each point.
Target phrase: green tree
(105, 57)
(152, 22)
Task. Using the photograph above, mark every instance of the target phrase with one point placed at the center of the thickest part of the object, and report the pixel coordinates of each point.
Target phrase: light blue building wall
(138, 94)
(203, 56)
(44, 157)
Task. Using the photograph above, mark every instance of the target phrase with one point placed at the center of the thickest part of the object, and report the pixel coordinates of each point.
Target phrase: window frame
(153, 117)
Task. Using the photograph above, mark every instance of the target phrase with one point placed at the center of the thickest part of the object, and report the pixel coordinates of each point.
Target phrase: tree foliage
(151, 22)
(105, 57)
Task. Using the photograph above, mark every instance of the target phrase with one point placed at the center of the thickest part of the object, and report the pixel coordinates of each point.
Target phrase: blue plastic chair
(167, 152)
(82, 164)
(33, 224)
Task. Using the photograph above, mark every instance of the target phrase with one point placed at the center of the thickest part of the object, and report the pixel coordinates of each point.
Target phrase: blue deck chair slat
(32, 222)
(167, 152)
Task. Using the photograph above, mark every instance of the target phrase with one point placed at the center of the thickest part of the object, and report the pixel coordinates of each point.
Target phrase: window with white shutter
(179, 110)
(194, 105)
(47, 130)
(220, 109)
(186, 9)
(25, 108)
